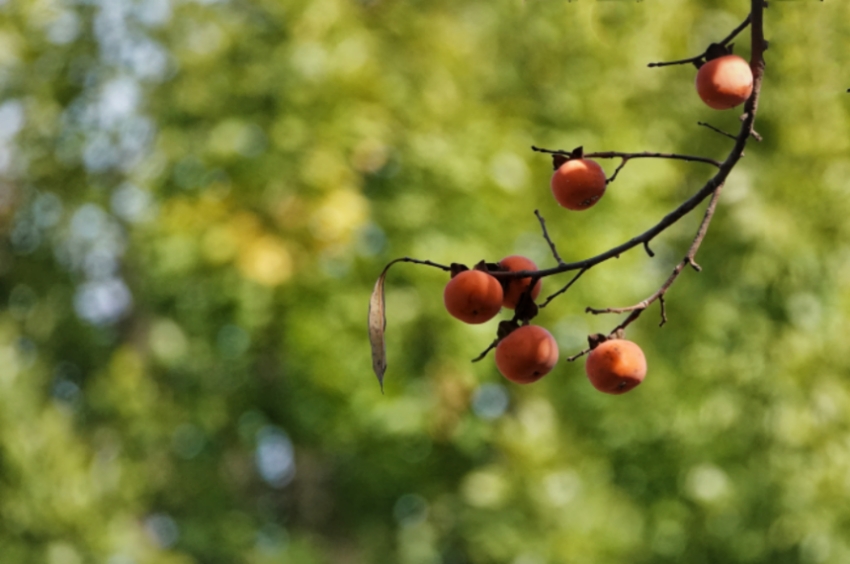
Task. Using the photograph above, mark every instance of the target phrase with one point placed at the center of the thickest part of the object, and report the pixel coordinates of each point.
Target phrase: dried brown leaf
(378, 325)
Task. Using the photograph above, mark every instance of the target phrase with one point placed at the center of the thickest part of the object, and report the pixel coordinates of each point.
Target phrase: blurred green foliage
(196, 197)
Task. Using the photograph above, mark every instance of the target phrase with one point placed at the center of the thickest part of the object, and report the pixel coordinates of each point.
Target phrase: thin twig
(694, 265)
(617, 171)
(720, 131)
(546, 236)
(628, 156)
(487, 350)
(564, 289)
(426, 263)
(577, 355)
(755, 134)
(741, 27)
(626, 322)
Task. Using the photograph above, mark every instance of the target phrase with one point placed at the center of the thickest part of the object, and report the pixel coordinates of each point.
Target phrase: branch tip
(716, 130)
(694, 264)
(548, 239)
(578, 355)
(487, 350)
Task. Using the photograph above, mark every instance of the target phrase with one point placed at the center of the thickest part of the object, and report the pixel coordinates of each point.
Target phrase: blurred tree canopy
(196, 197)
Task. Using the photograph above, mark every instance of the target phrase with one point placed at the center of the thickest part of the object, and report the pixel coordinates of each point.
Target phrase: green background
(196, 198)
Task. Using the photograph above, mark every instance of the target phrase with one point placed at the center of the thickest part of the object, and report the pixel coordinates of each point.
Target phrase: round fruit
(527, 354)
(616, 366)
(516, 287)
(725, 82)
(473, 296)
(578, 184)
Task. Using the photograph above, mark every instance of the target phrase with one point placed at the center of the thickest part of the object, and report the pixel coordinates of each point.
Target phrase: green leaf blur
(197, 196)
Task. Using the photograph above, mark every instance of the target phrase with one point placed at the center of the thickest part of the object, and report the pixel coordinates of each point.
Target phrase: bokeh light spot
(410, 509)
(233, 341)
(275, 456)
(490, 401)
(162, 530)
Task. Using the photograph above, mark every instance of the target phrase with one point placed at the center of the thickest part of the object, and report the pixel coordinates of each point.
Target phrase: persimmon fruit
(516, 263)
(527, 354)
(725, 82)
(616, 366)
(473, 296)
(578, 184)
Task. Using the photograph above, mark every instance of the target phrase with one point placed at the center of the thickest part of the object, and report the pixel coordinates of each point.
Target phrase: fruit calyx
(597, 339)
(714, 51)
(484, 266)
(526, 309)
(457, 268)
(506, 328)
(558, 160)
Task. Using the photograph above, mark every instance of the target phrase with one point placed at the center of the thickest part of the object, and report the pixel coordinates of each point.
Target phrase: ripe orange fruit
(473, 296)
(527, 354)
(578, 184)
(515, 263)
(616, 366)
(725, 82)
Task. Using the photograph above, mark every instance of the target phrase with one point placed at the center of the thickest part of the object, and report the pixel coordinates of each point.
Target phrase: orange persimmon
(527, 354)
(616, 366)
(725, 82)
(515, 263)
(473, 296)
(578, 184)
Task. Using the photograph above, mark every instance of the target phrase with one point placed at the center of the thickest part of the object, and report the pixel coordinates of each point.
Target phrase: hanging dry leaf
(377, 326)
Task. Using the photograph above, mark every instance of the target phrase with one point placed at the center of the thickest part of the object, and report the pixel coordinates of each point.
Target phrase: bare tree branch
(638, 308)
(745, 132)
(712, 187)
